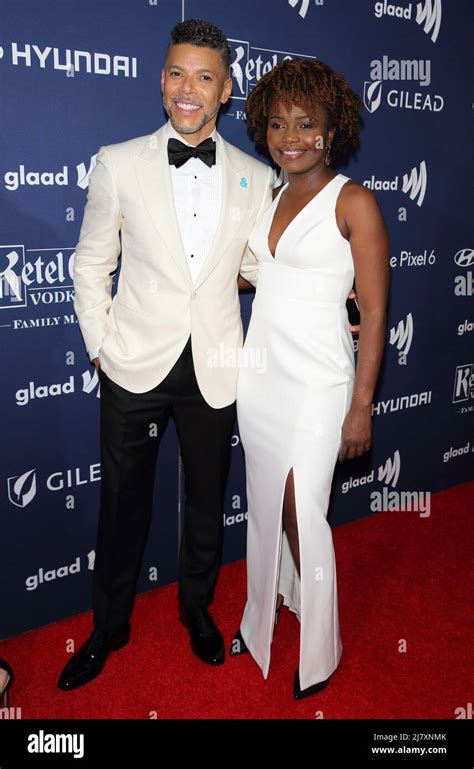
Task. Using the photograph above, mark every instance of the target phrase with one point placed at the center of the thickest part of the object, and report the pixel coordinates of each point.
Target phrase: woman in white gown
(305, 405)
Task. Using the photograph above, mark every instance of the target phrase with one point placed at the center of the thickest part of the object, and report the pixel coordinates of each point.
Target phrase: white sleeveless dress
(294, 390)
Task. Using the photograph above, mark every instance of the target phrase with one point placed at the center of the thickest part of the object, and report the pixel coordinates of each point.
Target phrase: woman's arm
(369, 243)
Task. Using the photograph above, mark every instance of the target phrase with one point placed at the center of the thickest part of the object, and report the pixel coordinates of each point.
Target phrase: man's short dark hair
(204, 34)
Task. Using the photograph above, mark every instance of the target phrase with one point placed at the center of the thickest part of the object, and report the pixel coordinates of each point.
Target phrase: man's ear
(226, 91)
(162, 80)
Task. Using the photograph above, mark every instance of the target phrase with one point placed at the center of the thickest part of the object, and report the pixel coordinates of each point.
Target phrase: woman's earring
(327, 158)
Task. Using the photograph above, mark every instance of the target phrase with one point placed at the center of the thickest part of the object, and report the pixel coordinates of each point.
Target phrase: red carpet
(399, 577)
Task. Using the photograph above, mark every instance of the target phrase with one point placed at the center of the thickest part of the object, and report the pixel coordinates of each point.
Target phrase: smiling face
(194, 85)
(297, 138)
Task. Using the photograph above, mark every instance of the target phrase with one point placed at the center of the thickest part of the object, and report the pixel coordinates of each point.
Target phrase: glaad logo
(43, 278)
(71, 61)
(452, 452)
(402, 337)
(418, 70)
(22, 488)
(465, 327)
(27, 394)
(303, 6)
(91, 381)
(464, 284)
(34, 580)
(83, 174)
(464, 383)
(250, 63)
(387, 473)
(20, 178)
(428, 14)
(390, 471)
(413, 184)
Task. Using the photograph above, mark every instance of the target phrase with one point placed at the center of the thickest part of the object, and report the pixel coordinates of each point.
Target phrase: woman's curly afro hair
(307, 83)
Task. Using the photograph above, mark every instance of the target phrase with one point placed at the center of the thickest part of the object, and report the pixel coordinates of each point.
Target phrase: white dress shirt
(197, 194)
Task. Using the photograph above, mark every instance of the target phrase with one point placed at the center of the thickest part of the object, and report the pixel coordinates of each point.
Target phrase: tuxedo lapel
(154, 179)
(233, 207)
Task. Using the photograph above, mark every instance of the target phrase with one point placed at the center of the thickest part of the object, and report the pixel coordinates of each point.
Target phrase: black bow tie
(179, 153)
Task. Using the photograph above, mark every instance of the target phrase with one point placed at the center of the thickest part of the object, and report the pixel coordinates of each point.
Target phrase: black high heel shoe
(300, 694)
(5, 682)
(238, 645)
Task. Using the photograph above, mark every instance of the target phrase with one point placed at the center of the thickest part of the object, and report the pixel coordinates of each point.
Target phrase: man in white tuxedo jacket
(178, 205)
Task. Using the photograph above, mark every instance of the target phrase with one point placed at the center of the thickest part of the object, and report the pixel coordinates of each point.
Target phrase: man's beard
(205, 118)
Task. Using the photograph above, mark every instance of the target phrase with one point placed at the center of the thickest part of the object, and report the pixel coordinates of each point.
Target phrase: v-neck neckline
(272, 217)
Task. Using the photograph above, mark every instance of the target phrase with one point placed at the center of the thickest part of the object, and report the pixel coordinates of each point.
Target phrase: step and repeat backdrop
(77, 74)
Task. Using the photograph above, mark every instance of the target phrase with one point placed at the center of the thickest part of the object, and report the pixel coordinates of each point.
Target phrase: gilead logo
(43, 742)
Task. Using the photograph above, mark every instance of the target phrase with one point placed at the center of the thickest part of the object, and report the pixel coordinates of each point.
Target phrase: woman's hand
(356, 432)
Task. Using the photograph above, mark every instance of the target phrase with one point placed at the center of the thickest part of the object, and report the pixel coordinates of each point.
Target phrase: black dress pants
(131, 426)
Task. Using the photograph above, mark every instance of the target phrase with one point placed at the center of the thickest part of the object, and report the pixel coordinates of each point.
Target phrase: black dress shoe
(300, 693)
(89, 661)
(238, 645)
(206, 638)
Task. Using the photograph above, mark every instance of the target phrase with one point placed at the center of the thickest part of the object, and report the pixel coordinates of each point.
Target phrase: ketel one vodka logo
(463, 392)
(250, 63)
(428, 14)
(401, 337)
(43, 276)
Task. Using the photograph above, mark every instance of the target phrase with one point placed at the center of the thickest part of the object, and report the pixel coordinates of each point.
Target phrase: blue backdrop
(77, 74)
